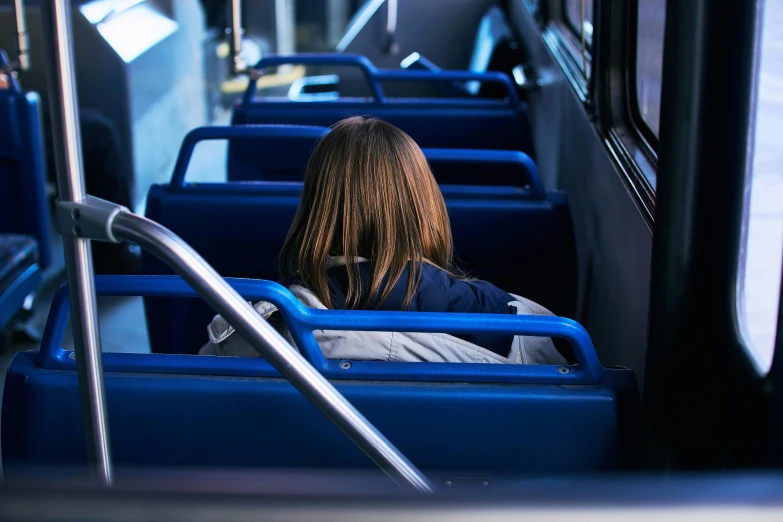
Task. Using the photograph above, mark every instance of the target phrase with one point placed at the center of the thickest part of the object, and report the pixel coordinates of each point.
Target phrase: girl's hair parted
(368, 192)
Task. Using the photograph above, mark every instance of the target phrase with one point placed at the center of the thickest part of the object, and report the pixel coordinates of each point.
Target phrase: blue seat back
(493, 29)
(258, 152)
(520, 244)
(281, 152)
(169, 410)
(23, 202)
(431, 122)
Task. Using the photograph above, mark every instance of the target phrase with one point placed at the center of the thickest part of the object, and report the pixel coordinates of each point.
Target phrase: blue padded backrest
(229, 412)
(23, 204)
(263, 152)
(433, 127)
(434, 123)
(523, 246)
(281, 152)
(491, 31)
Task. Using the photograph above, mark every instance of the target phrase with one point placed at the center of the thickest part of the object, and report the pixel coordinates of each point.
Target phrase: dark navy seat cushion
(17, 254)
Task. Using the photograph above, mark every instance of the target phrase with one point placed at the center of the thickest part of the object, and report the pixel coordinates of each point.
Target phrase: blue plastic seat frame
(224, 411)
(431, 122)
(302, 320)
(281, 152)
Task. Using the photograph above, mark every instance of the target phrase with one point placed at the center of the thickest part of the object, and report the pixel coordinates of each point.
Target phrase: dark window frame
(566, 45)
(650, 139)
(609, 91)
(617, 103)
(576, 31)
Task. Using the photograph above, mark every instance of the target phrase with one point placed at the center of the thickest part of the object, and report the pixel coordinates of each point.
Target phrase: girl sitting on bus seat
(372, 233)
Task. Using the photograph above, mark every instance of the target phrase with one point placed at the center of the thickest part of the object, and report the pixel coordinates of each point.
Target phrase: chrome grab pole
(234, 31)
(285, 26)
(78, 252)
(22, 61)
(392, 46)
(336, 20)
(186, 262)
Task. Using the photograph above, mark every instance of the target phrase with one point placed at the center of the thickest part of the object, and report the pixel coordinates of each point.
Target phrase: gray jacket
(391, 346)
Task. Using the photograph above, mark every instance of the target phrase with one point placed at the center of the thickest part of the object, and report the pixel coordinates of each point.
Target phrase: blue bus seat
(20, 274)
(185, 411)
(258, 152)
(23, 202)
(431, 122)
(522, 245)
(417, 62)
(493, 32)
(281, 152)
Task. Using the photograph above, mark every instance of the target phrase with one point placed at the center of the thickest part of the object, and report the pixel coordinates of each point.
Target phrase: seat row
(474, 420)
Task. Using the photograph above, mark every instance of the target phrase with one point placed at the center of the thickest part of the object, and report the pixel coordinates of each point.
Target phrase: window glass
(573, 13)
(761, 252)
(650, 23)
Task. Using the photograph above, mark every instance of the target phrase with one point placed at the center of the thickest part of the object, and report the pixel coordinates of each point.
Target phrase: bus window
(573, 16)
(650, 22)
(761, 250)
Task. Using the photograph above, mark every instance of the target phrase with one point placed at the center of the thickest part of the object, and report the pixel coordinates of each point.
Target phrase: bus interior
(615, 161)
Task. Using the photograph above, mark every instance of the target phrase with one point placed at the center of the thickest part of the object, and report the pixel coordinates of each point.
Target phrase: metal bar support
(109, 222)
(392, 45)
(285, 26)
(336, 20)
(235, 31)
(22, 61)
(78, 252)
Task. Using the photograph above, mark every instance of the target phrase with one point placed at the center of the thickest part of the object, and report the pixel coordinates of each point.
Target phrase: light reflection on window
(761, 250)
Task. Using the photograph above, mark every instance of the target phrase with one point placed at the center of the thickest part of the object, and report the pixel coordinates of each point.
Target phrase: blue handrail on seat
(286, 148)
(302, 321)
(375, 76)
(441, 122)
(297, 140)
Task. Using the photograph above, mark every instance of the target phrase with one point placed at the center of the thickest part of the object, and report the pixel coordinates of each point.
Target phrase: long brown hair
(368, 192)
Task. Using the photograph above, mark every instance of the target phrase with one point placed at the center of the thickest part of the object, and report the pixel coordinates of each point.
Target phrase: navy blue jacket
(437, 292)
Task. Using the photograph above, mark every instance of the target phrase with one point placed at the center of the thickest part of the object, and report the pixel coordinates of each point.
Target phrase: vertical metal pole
(392, 46)
(336, 20)
(285, 26)
(22, 42)
(235, 36)
(78, 253)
